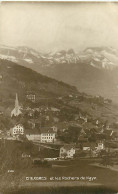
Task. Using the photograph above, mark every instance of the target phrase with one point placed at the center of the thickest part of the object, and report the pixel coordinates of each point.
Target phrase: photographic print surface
(59, 97)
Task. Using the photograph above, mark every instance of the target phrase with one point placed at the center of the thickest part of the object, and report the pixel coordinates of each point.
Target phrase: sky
(54, 26)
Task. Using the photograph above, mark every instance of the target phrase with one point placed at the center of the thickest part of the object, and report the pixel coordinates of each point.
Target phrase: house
(70, 96)
(100, 146)
(54, 129)
(48, 135)
(31, 96)
(67, 151)
(86, 146)
(17, 130)
(53, 109)
(33, 137)
(16, 111)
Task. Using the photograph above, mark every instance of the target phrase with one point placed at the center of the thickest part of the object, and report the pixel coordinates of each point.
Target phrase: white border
(60, 1)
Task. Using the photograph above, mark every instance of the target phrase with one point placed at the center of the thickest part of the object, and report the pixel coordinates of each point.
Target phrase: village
(77, 138)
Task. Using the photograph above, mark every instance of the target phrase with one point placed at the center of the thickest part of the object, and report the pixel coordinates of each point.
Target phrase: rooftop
(47, 130)
(68, 147)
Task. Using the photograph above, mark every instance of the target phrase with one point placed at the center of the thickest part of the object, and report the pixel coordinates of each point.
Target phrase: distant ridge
(94, 70)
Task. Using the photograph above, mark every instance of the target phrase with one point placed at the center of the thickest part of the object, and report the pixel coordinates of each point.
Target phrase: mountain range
(94, 70)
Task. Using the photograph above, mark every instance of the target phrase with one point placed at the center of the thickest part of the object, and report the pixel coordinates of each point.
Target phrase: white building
(53, 109)
(67, 151)
(17, 130)
(33, 137)
(31, 97)
(100, 146)
(93, 146)
(86, 146)
(47, 135)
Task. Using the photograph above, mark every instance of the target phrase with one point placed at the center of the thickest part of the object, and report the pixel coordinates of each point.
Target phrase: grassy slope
(18, 79)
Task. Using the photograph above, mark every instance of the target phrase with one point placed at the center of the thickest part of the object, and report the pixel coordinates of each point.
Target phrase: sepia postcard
(58, 97)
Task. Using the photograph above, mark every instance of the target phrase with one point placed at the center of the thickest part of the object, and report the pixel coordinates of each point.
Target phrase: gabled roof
(18, 124)
(68, 147)
(47, 130)
(82, 138)
(30, 92)
(88, 144)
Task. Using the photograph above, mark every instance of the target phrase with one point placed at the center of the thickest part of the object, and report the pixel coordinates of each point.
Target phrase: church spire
(16, 111)
(16, 101)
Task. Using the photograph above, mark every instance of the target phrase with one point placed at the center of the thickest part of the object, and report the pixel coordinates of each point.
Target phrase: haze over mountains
(94, 70)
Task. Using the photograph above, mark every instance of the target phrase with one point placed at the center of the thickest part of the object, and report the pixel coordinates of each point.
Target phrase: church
(16, 111)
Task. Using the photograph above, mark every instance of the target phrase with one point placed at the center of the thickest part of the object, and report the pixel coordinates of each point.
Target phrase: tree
(106, 158)
(71, 135)
(107, 161)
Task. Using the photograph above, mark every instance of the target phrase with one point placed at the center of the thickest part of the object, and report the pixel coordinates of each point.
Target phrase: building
(48, 135)
(53, 109)
(31, 97)
(33, 137)
(16, 111)
(54, 129)
(17, 130)
(67, 151)
(100, 146)
(86, 146)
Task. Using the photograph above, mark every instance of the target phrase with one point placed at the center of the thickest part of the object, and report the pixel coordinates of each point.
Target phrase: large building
(17, 130)
(16, 111)
(31, 97)
(48, 135)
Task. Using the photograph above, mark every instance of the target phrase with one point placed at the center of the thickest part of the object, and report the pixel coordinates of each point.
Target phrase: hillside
(21, 80)
(94, 70)
(15, 78)
(50, 92)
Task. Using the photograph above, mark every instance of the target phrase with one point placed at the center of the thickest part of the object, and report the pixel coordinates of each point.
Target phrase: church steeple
(16, 111)
(16, 104)
(16, 101)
